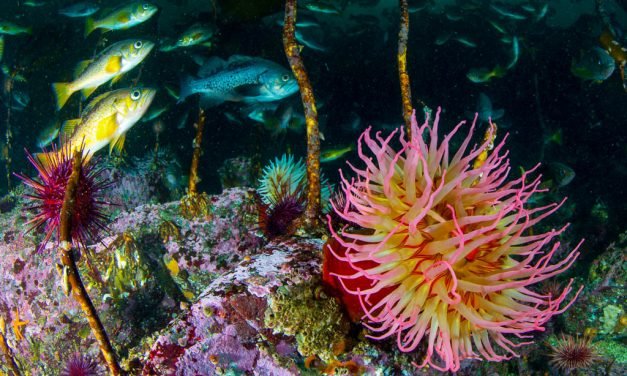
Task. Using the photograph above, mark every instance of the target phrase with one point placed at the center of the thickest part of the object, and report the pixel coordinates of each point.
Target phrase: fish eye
(138, 44)
(146, 6)
(135, 94)
(285, 77)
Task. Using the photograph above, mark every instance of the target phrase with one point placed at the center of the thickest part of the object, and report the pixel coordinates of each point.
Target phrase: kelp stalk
(292, 52)
(402, 65)
(193, 203)
(7, 152)
(8, 354)
(193, 171)
(68, 261)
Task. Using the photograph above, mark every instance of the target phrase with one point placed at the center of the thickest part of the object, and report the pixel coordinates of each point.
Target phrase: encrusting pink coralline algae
(441, 250)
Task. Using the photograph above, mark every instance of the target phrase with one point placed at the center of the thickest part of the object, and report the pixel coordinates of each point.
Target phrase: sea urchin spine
(572, 353)
(54, 170)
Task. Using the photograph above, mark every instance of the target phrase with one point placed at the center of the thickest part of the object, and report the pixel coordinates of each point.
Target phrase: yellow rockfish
(123, 17)
(105, 121)
(196, 34)
(110, 64)
(333, 154)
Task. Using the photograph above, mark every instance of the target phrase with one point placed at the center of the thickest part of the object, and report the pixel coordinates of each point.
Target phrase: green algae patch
(314, 319)
(612, 350)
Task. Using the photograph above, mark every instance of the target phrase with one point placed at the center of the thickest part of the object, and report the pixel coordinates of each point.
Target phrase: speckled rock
(224, 329)
(133, 303)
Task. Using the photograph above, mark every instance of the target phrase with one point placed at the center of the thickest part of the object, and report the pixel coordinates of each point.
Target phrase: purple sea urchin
(54, 170)
(573, 353)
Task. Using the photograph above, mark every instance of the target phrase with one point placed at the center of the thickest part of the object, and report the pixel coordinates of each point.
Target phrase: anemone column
(292, 51)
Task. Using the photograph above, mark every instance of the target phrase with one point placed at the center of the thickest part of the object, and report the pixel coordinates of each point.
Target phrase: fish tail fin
(499, 71)
(62, 91)
(186, 88)
(90, 26)
(46, 159)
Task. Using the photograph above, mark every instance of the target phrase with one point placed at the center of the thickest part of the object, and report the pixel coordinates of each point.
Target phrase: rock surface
(212, 296)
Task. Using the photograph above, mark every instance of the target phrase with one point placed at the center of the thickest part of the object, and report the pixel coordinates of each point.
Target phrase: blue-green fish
(595, 64)
(277, 117)
(484, 110)
(47, 135)
(479, 75)
(507, 13)
(240, 79)
(515, 53)
(77, 10)
(334, 154)
(325, 8)
(562, 174)
(9, 28)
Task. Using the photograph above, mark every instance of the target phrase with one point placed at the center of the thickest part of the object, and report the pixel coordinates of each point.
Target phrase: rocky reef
(212, 296)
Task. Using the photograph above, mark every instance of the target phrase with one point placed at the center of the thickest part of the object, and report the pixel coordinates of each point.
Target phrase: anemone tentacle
(444, 254)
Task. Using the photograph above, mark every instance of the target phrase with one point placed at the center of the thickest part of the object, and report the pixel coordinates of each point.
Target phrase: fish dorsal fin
(199, 59)
(114, 64)
(106, 128)
(211, 66)
(88, 91)
(117, 144)
(67, 129)
(94, 102)
(81, 67)
(239, 59)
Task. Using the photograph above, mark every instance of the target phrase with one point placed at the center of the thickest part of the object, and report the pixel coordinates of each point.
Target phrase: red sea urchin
(440, 249)
(80, 365)
(54, 170)
(280, 218)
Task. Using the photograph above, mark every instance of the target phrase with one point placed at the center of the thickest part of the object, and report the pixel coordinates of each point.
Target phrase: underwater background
(544, 71)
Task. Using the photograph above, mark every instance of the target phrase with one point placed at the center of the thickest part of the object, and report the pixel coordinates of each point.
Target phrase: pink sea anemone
(441, 249)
